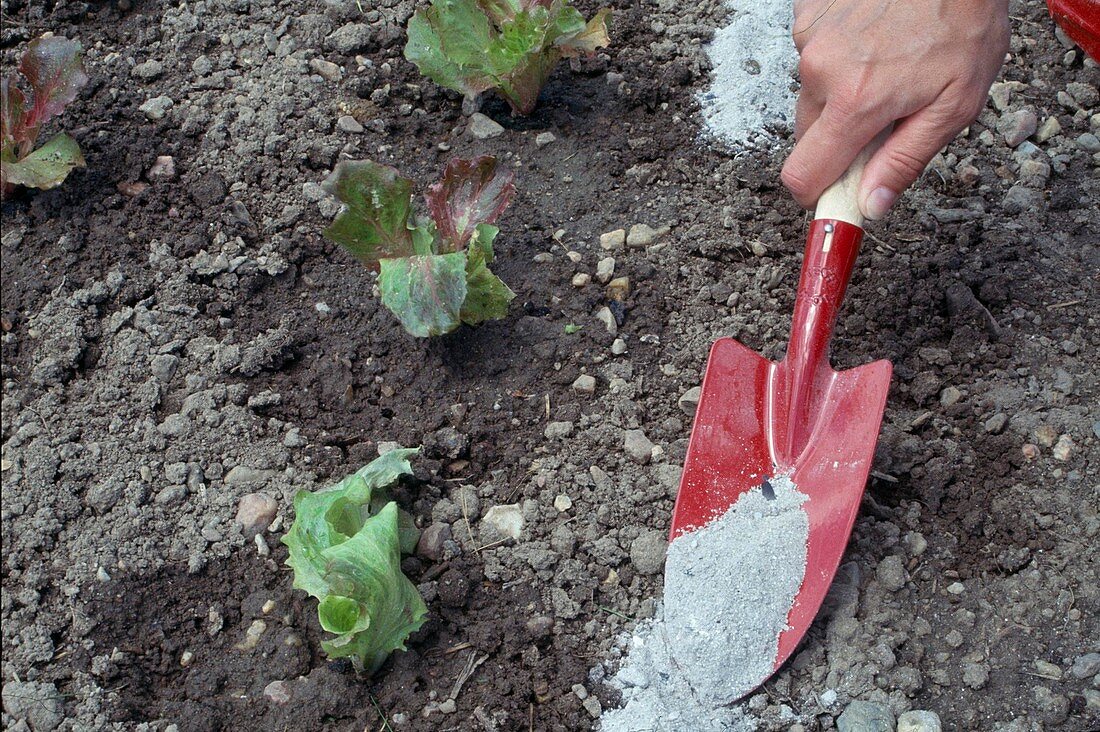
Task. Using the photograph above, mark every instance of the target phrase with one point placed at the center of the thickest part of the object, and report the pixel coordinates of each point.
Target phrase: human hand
(924, 65)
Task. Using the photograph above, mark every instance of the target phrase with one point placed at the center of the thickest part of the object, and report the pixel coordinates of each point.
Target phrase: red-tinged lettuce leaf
(12, 105)
(487, 296)
(425, 292)
(46, 167)
(55, 70)
(447, 44)
(471, 192)
(591, 37)
(375, 224)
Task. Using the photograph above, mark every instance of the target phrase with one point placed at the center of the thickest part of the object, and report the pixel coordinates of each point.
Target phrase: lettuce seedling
(511, 46)
(433, 271)
(54, 70)
(345, 549)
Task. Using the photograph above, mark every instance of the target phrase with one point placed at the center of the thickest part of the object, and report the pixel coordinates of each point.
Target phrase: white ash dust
(728, 590)
(750, 98)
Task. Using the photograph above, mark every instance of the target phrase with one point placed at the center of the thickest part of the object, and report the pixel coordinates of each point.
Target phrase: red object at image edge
(798, 417)
(1080, 19)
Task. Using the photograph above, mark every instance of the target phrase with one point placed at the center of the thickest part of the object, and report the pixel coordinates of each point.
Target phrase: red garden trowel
(799, 417)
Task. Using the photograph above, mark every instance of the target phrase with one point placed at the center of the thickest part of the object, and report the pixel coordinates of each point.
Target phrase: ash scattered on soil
(729, 587)
(751, 94)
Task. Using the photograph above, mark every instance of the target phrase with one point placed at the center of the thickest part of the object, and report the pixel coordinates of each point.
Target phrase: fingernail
(879, 202)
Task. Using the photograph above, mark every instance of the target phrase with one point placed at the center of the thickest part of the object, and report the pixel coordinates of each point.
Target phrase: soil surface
(175, 341)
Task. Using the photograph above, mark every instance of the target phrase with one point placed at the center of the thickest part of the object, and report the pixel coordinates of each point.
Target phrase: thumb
(901, 160)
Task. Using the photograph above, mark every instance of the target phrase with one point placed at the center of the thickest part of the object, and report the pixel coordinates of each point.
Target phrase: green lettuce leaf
(511, 46)
(425, 292)
(47, 166)
(345, 549)
(487, 297)
(375, 223)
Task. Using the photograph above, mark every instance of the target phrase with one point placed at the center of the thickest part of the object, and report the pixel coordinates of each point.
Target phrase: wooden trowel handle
(840, 201)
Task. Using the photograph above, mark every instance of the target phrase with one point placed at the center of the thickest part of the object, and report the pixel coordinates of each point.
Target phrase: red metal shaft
(831, 250)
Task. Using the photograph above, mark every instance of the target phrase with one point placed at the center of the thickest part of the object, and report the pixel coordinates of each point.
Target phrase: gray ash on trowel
(729, 587)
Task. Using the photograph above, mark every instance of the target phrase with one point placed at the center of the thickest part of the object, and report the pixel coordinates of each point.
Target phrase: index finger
(826, 150)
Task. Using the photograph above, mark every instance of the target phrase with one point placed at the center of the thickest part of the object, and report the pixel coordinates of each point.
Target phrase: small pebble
(919, 721)
(605, 269)
(483, 128)
(277, 692)
(949, 396)
(255, 513)
(638, 446)
(613, 239)
(689, 400)
(581, 279)
(1063, 448)
(349, 124)
(618, 347)
(544, 138)
(1017, 126)
(163, 169)
(563, 502)
(585, 384)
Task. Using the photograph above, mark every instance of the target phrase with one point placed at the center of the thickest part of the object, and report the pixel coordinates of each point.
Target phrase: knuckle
(908, 164)
(796, 179)
(812, 63)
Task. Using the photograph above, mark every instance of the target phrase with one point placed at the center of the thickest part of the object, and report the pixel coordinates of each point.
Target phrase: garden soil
(176, 337)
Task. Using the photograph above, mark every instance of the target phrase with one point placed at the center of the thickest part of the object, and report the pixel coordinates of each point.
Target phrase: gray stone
(544, 138)
(162, 169)
(148, 70)
(1017, 126)
(1084, 94)
(506, 520)
(613, 239)
(865, 716)
(350, 38)
(996, 424)
(975, 675)
(156, 107)
(483, 128)
(244, 475)
(638, 446)
(1089, 142)
(558, 430)
(1050, 127)
(38, 703)
(949, 396)
(325, 69)
(277, 692)
(642, 235)
(605, 316)
(689, 400)
(605, 269)
(919, 721)
(255, 512)
(432, 540)
(1020, 198)
(349, 124)
(647, 552)
(585, 384)
(891, 573)
(1085, 666)
(618, 347)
